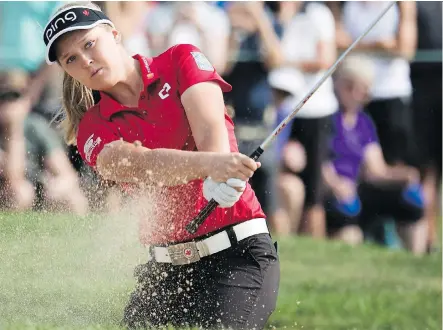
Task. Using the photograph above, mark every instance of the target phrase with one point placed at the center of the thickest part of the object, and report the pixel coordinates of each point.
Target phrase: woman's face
(91, 57)
(353, 93)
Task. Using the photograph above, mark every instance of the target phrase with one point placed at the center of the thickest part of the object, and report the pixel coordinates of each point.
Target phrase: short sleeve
(192, 67)
(323, 20)
(92, 136)
(370, 132)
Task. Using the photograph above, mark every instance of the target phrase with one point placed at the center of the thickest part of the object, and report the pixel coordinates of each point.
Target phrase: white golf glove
(223, 193)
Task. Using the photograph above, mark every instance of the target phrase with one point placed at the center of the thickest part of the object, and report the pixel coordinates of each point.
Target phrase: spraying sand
(64, 270)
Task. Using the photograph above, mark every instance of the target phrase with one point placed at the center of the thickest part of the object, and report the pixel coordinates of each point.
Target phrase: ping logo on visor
(58, 24)
(70, 19)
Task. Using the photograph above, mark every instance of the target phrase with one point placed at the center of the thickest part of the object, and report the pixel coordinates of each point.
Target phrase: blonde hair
(359, 67)
(77, 98)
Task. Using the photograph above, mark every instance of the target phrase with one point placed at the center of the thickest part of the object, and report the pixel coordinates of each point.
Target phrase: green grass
(62, 272)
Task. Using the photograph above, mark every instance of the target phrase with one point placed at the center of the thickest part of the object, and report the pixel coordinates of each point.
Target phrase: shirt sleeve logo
(202, 62)
(90, 145)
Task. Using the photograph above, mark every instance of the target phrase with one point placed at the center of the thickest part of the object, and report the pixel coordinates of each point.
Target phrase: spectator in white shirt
(200, 23)
(308, 44)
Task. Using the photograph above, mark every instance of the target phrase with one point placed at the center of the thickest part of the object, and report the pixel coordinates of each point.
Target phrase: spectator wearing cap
(287, 84)
(254, 43)
(353, 205)
(308, 45)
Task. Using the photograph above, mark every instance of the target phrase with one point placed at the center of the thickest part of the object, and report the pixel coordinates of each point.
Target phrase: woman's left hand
(225, 194)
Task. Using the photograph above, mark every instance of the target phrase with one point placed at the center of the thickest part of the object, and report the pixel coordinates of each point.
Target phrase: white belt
(189, 252)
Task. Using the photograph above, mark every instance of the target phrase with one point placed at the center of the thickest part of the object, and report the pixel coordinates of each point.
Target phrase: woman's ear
(117, 36)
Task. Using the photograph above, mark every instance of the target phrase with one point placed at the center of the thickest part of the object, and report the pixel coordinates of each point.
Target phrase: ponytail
(77, 99)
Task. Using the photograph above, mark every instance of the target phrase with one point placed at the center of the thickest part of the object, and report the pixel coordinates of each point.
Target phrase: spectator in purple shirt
(353, 205)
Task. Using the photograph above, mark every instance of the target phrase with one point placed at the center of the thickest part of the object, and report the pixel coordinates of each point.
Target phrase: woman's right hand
(222, 167)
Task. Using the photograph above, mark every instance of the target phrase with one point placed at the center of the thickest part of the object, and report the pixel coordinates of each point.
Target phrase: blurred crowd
(360, 162)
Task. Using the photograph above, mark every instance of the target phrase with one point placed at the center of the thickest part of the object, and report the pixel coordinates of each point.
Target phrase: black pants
(313, 134)
(236, 288)
(378, 201)
(427, 115)
(393, 121)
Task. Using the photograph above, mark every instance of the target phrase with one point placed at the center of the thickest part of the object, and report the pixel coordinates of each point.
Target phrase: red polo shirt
(160, 122)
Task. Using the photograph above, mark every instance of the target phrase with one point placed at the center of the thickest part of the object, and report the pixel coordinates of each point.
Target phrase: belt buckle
(184, 253)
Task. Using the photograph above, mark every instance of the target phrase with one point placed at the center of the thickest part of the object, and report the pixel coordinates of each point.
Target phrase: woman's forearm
(165, 167)
(273, 56)
(397, 174)
(309, 66)
(330, 176)
(388, 47)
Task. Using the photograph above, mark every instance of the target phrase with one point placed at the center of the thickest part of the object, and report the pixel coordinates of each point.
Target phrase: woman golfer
(161, 122)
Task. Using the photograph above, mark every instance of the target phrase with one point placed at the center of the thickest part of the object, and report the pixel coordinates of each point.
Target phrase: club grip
(256, 154)
(195, 224)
